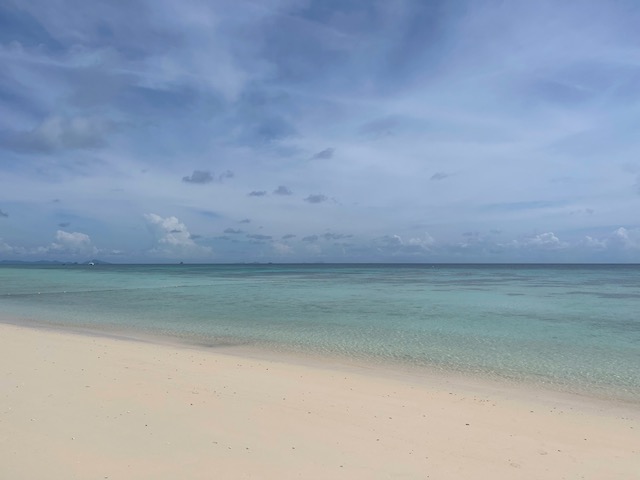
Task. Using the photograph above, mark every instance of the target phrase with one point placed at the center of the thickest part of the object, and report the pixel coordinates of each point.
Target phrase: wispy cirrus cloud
(385, 103)
(58, 134)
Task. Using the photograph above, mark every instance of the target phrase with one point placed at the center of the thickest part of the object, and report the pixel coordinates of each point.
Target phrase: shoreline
(256, 351)
(88, 406)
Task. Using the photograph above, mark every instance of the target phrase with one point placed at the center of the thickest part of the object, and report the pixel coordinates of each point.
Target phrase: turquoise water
(575, 328)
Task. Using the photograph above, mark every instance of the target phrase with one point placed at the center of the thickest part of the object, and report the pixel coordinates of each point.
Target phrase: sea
(573, 328)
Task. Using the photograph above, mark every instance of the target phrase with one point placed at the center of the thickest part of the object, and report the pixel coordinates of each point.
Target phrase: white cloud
(620, 239)
(69, 243)
(73, 242)
(626, 238)
(282, 248)
(426, 242)
(596, 243)
(545, 240)
(173, 237)
(204, 57)
(541, 241)
(390, 241)
(219, 85)
(6, 248)
(66, 244)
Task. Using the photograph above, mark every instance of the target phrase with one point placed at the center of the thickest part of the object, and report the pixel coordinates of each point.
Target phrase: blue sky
(304, 130)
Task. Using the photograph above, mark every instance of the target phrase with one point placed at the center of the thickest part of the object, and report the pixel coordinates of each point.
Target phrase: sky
(320, 130)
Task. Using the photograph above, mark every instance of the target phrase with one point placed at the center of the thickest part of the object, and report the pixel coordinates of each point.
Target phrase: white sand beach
(77, 406)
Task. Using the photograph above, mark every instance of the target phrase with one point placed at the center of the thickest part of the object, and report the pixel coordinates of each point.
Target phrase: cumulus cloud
(73, 240)
(69, 244)
(73, 243)
(59, 133)
(396, 245)
(547, 240)
(626, 238)
(620, 239)
(316, 198)
(425, 242)
(282, 248)
(596, 243)
(199, 176)
(325, 154)
(3, 214)
(5, 247)
(257, 193)
(18, 250)
(282, 190)
(390, 240)
(173, 237)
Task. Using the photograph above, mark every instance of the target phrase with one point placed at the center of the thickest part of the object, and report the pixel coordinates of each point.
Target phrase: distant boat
(91, 263)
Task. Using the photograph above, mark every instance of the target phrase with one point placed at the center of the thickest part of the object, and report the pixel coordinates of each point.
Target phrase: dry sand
(86, 407)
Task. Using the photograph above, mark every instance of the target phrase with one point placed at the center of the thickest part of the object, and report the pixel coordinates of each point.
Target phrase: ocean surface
(568, 327)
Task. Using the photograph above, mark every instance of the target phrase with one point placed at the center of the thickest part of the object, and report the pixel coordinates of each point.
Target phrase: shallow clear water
(572, 327)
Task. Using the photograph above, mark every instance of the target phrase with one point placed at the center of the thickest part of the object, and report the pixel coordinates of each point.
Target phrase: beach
(85, 406)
